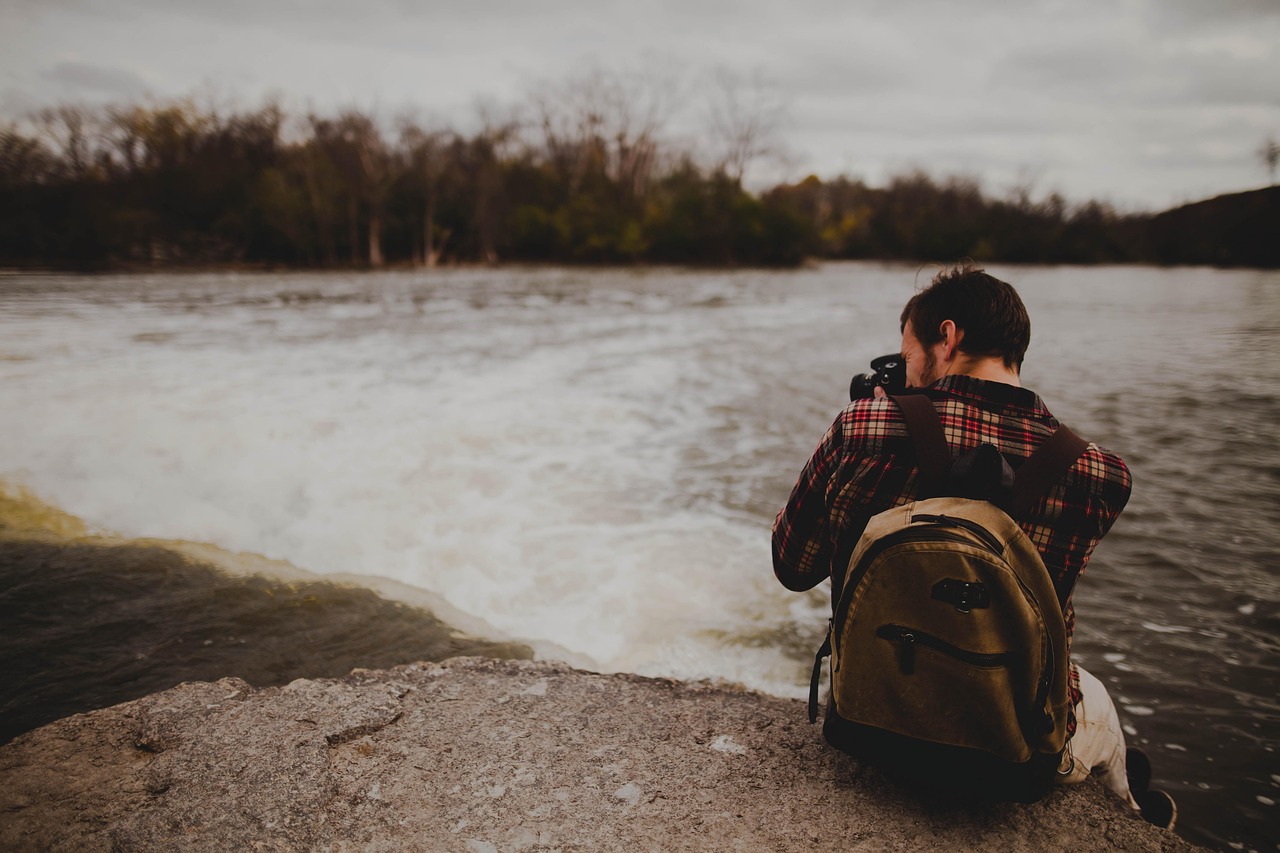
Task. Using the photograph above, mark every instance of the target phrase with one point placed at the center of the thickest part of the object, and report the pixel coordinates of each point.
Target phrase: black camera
(887, 371)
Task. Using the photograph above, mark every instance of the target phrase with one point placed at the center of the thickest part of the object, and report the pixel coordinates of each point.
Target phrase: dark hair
(990, 312)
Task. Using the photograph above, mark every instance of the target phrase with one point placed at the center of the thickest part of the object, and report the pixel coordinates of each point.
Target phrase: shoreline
(138, 269)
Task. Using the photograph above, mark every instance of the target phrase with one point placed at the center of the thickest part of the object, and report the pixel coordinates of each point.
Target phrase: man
(963, 339)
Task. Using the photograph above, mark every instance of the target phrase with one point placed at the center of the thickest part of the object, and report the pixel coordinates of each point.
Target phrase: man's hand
(878, 392)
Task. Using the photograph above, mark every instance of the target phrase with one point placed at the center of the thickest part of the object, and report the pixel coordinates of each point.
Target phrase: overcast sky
(1142, 103)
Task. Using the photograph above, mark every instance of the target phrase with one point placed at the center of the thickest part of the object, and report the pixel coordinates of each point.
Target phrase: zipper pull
(907, 652)
(1043, 690)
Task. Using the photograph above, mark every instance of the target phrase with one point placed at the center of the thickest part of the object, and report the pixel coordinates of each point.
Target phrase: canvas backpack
(948, 655)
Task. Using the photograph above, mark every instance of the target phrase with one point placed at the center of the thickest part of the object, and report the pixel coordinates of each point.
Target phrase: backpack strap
(932, 451)
(1046, 466)
(823, 653)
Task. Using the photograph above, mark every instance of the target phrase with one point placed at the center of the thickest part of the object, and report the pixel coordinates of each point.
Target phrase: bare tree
(377, 174)
(171, 132)
(481, 158)
(745, 114)
(1270, 155)
(607, 122)
(23, 159)
(127, 131)
(354, 145)
(68, 130)
(427, 153)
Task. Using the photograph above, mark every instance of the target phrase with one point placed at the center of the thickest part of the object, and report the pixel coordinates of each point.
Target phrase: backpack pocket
(920, 685)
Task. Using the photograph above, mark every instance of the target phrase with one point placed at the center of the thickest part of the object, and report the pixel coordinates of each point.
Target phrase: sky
(1143, 104)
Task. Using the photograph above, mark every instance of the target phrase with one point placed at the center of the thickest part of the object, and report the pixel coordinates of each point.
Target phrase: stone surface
(485, 755)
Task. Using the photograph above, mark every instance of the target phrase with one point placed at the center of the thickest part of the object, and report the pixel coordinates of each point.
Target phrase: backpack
(948, 652)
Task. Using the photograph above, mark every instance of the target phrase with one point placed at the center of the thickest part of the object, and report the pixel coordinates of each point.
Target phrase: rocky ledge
(485, 755)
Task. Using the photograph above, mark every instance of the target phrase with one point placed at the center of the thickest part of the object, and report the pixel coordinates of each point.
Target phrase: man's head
(964, 322)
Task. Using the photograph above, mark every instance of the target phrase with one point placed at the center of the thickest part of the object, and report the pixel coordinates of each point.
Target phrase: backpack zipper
(988, 538)
(909, 638)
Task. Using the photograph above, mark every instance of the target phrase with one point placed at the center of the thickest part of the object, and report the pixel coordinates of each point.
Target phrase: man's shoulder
(1104, 471)
(870, 421)
(1021, 410)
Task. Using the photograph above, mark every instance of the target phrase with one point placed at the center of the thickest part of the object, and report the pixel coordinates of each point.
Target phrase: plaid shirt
(866, 463)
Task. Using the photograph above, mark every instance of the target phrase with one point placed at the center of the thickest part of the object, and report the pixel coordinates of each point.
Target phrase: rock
(480, 754)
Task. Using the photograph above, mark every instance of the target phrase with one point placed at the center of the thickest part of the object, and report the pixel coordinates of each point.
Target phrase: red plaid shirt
(866, 463)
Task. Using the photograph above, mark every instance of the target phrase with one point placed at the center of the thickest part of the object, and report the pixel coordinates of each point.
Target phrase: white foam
(528, 460)
(1166, 629)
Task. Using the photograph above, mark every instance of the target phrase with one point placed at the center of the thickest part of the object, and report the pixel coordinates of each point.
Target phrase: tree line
(582, 175)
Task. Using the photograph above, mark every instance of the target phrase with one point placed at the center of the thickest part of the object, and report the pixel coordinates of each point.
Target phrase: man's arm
(1116, 485)
(1067, 522)
(801, 544)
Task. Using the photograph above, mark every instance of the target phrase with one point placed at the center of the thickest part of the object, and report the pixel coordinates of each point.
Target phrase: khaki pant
(1098, 746)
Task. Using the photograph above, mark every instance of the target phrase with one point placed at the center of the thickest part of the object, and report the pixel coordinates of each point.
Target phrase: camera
(887, 371)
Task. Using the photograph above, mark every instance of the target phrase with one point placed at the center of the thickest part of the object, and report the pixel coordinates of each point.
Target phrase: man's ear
(951, 337)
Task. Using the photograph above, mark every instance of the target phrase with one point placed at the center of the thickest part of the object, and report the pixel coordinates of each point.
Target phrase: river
(589, 461)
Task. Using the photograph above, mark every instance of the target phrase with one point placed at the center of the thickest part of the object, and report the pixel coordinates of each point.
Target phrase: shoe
(1138, 768)
(1158, 808)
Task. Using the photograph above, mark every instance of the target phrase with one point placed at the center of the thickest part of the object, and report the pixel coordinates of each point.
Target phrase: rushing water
(590, 461)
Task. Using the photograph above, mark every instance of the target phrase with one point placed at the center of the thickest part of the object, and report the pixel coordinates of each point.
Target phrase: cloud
(1075, 90)
(79, 78)
(1189, 15)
